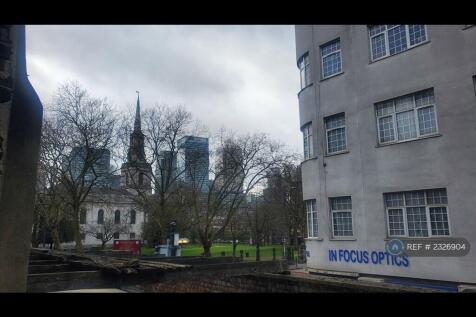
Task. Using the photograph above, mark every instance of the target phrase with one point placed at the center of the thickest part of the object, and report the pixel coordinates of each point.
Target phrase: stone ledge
(463, 288)
(371, 279)
(335, 273)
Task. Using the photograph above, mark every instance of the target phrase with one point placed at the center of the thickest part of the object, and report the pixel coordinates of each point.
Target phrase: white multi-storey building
(388, 115)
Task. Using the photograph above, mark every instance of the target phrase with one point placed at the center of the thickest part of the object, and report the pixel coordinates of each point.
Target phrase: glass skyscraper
(193, 161)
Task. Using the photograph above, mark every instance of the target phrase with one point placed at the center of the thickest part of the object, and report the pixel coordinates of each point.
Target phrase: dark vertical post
(20, 132)
(172, 227)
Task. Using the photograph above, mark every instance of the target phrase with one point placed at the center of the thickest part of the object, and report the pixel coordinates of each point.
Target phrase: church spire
(136, 148)
(137, 126)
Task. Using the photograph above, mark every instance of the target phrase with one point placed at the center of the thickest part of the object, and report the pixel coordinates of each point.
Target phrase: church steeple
(137, 126)
(136, 172)
(136, 152)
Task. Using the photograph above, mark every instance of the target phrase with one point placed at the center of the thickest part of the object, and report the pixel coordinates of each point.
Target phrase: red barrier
(128, 245)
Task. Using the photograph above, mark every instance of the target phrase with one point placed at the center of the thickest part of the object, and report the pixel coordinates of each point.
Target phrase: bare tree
(50, 199)
(238, 228)
(284, 196)
(240, 165)
(81, 132)
(109, 224)
(259, 215)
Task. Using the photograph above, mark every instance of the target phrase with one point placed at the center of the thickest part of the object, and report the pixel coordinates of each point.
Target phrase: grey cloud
(242, 77)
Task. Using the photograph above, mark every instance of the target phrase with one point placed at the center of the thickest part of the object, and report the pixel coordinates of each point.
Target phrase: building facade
(110, 214)
(165, 170)
(99, 173)
(230, 174)
(388, 116)
(193, 161)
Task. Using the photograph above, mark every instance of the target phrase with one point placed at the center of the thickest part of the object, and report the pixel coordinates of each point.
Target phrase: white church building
(112, 213)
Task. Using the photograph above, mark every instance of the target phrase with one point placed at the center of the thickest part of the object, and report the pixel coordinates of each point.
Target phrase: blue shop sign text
(365, 257)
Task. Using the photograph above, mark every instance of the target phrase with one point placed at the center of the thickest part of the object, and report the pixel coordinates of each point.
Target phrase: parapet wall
(212, 277)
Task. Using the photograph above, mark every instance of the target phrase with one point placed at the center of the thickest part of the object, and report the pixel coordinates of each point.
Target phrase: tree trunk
(35, 233)
(258, 257)
(206, 248)
(234, 248)
(103, 245)
(77, 232)
(56, 238)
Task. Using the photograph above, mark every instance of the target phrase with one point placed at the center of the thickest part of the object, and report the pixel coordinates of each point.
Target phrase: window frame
(474, 84)
(414, 116)
(335, 128)
(100, 219)
(133, 216)
(83, 215)
(309, 215)
(321, 47)
(387, 46)
(404, 221)
(427, 214)
(306, 69)
(307, 127)
(117, 217)
(332, 211)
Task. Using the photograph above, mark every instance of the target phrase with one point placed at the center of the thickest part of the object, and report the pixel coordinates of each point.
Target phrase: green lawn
(196, 250)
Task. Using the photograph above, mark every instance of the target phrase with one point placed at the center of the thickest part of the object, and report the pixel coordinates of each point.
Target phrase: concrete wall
(20, 129)
(446, 63)
(211, 277)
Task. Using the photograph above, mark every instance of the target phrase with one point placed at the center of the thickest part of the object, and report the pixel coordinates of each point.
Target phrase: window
(311, 218)
(132, 235)
(116, 235)
(100, 217)
(474, 84)
(304, 70)
(82, 216)
(307, 139)
(341, 210)
(117, 217)
(335, 133)
(99, 236)
(386, 40)
(406, 118)
(331, 59)
(420, 213)
(133, 216)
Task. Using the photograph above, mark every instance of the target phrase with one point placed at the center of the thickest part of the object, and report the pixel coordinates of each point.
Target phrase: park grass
(266, 251)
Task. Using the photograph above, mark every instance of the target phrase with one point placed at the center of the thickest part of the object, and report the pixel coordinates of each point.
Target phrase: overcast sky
(240, 77)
